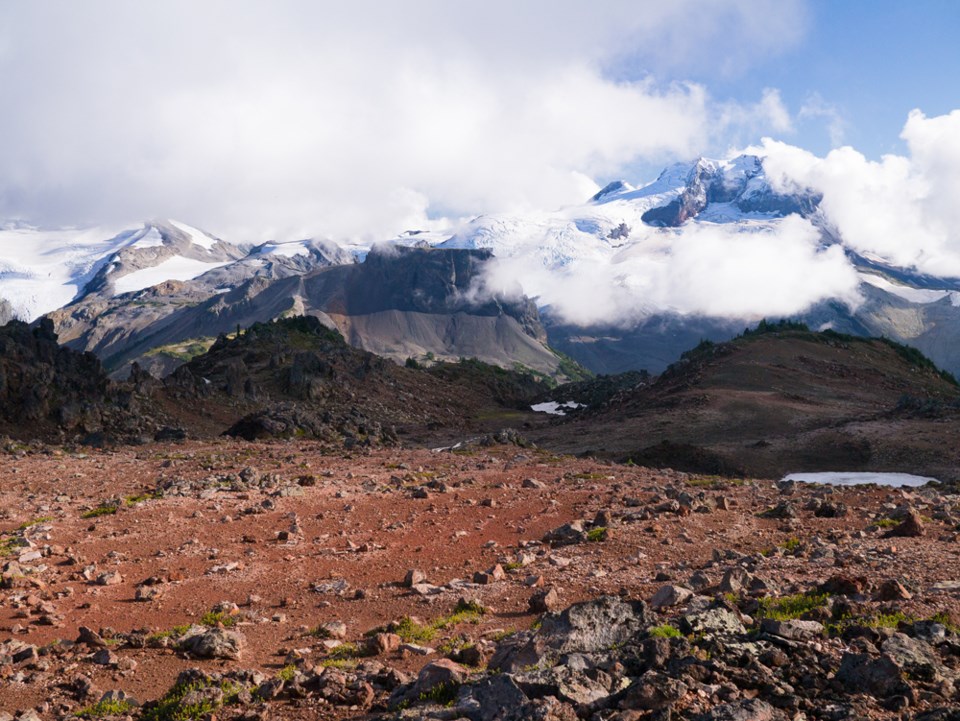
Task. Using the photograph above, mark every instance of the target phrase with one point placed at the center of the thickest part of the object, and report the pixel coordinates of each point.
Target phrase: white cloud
(901, 208)
(296, 118)
(702, 269)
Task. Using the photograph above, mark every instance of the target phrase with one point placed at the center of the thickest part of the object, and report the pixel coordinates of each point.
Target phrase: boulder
(214, 643)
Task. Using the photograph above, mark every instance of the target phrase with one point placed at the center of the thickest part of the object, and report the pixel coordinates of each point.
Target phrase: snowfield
(175, 268)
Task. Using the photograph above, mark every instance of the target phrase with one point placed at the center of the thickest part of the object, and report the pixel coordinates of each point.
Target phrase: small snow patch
(892, 480)
(554, 408)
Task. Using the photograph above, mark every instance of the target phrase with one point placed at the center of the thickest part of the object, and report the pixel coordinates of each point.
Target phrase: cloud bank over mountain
(902, 208)
(358, 120)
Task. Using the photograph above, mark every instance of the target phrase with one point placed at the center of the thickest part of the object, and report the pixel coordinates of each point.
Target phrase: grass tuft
(788, 608)
(664, 631)
(107, 707)
(595, 535)
(103, 509)
(213, 618)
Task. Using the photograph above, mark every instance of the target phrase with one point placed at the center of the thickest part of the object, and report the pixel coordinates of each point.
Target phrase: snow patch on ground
(197, 237)
(149, 239)
(43, 270)
(893, 480)
(175, 268)
(914, 295)
(556, 409)
(286, 250)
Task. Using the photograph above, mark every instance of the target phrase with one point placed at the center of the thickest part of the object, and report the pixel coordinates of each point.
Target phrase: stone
(746, 710)
(109, 578)
(844, 585)
(333, 629)
(544, 601)
(735, 580)
(414, 577)
(90, 637)
(783, 510)
(699, 581)
(587, 627)
(712, 623)
(442, 672)
(104, 657)
(860, 673)
(489, 698)
(917, 659)
(381, 643)
(910, 527)
(28, 653)
(652, 691)
(566, 535)
(892, 590)
(214, 643)
(670, 595)
(416, 649)
(793, 629)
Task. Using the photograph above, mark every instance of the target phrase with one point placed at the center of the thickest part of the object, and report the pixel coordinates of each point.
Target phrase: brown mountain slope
(779, 402)
(297, 378)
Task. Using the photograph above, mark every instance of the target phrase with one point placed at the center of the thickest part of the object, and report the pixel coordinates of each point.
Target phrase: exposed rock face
(582, 628)
(743, 185)
(399, 303)
(50, 391)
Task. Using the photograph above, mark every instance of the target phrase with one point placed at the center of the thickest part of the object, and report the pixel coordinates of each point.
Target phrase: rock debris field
(231, 580)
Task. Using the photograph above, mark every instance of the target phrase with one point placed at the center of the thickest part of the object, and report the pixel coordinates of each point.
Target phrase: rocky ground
(227, 579)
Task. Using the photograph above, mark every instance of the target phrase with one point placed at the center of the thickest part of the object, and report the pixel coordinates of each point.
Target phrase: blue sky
(363, 119)
(872, 61)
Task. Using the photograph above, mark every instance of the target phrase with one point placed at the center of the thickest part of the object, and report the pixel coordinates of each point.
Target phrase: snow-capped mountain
(116, 287)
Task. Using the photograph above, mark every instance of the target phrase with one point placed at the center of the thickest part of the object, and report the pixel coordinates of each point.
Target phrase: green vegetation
(171, 708)
(140, 498)
(35, 522)
(443, 694)
(589, 476)
(787, 608)
(765, 326)
(571, 369)
(791, 545)
(212, 618)
(9, 546)
(888, 620)
(339, 663)
(107, 707)
(104, 509)
(463, 612)
(918, 360)
(512, 566)
(664, 631)
(184, 351)
(287, 673)
(595, 535)
(946, 620)
(886, 523)
(412, 632)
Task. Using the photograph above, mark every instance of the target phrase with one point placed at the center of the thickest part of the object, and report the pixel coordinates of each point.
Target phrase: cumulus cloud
(296, 118)
(901, 208)
(701, 269)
